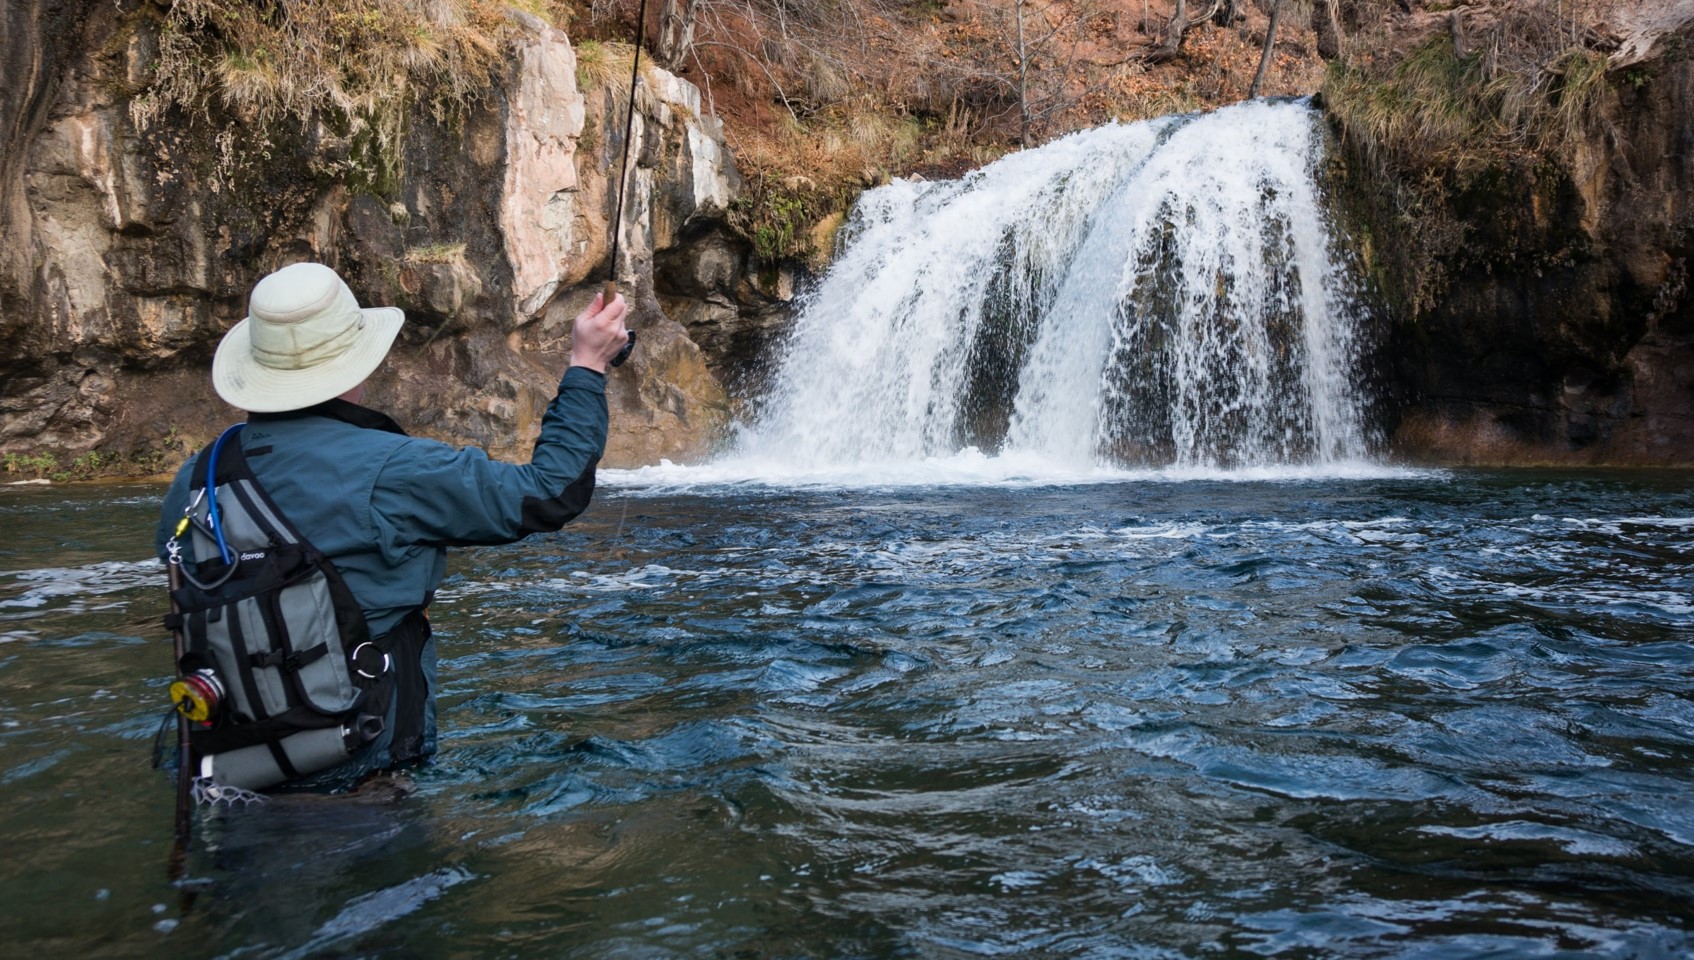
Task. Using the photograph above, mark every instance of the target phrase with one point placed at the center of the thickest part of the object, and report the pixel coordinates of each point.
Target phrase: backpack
(278, 676)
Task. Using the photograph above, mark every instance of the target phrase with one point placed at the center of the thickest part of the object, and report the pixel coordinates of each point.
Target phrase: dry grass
(959, 59)
(1486, 84)
(603, 65)
(436, 253)
(1432, 106)
(1459, 107)
(363, 69)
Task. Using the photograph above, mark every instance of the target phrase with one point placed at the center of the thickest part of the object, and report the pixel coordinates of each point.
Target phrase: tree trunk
(1326, 23)
(1175, 29)
(1023, 82)
(676, 32)
(1265, 58)
(1170, 45)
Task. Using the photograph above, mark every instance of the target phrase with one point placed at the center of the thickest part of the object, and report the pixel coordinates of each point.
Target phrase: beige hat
(305, 340)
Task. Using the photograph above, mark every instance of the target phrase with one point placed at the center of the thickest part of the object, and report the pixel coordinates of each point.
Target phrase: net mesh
(211, 793)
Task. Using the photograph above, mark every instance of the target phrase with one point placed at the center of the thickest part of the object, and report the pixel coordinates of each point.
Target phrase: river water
(1409, 714)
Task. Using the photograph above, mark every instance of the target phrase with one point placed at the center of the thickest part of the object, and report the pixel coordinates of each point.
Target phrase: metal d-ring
(358, 653)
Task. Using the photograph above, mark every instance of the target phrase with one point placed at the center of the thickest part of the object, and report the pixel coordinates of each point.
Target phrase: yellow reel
(197, 695)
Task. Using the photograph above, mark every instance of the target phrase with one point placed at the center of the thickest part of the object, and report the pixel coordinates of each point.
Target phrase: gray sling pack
(279, 677)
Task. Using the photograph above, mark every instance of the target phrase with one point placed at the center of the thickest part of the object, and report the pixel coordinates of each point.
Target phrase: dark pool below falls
(1416, 715)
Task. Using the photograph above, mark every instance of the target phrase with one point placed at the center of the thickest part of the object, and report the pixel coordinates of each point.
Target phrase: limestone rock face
(731, 312)
(126, 252)
(681, 179)
(539, 207)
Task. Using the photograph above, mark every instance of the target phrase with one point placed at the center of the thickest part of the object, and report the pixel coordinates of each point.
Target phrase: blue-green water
(1442, 716)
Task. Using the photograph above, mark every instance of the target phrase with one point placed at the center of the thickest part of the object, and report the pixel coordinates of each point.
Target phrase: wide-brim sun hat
(305, 340)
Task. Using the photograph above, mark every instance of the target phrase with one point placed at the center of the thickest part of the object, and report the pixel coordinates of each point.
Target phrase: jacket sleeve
(430, 494)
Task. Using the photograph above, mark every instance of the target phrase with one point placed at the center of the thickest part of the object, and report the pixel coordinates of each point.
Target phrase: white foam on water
(1669, 602)
(1615, 525)
(967, 468)
(1167, 531)
(49, 585)
(1576, 842)
(1352, 528)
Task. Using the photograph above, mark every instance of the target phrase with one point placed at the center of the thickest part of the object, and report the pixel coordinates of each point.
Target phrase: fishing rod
(611, 290)
(184, 775)
(176, 865)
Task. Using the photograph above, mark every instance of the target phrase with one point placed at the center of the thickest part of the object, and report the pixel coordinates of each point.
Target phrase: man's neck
(338, 409)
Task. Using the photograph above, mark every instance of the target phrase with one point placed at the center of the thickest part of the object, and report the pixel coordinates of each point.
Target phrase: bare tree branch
(776, 84)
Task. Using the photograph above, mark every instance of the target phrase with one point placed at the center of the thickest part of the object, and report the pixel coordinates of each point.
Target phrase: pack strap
(288, 661)
(411, 688)
(226, 469)
(249, 684)
(280, 755)
(211, 487)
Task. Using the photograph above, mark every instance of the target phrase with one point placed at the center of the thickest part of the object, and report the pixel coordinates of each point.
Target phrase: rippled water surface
(1437, 716)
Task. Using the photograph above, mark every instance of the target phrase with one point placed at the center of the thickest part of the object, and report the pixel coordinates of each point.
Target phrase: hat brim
(248, 385)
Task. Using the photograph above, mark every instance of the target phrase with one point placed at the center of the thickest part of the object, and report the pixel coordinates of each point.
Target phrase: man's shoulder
(320, 453)
(188, 465)
(429, 453)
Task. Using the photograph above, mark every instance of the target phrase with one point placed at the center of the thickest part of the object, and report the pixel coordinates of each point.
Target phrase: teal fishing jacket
(384, 507)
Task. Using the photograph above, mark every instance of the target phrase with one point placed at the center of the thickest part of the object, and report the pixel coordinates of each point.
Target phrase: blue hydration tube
(212, 490)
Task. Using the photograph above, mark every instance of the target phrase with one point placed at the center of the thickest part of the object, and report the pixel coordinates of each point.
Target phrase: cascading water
(1164, 293)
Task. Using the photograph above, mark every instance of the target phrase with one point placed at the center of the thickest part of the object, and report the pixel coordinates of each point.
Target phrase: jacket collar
(338, 409)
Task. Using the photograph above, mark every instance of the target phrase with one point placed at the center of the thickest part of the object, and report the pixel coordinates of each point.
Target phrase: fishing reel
(198, 695)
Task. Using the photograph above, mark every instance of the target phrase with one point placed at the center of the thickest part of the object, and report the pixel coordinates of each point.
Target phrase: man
(382, 506)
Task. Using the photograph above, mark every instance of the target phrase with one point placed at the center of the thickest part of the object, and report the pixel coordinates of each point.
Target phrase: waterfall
(1166, 293)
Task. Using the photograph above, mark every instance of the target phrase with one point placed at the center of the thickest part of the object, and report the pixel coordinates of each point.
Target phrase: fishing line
(611, 290)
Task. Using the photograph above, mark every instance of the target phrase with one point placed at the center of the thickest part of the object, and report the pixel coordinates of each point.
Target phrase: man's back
(322, 472)
(383, 506)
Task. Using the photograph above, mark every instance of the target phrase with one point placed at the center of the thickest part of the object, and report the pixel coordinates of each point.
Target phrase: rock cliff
(128, 248)
(1550, 320)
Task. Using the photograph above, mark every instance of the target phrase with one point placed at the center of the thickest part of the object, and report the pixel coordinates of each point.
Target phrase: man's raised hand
(599, 333)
